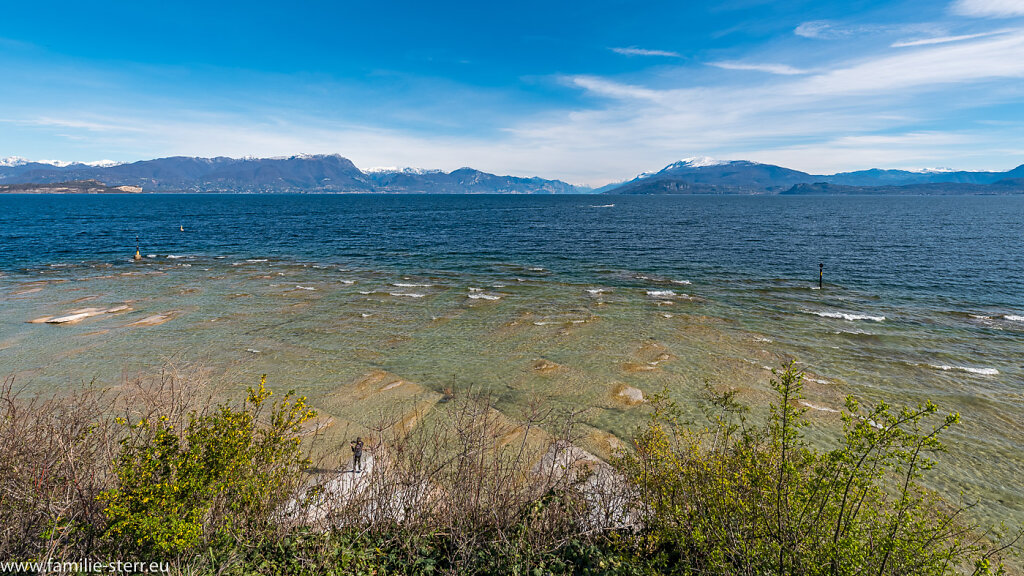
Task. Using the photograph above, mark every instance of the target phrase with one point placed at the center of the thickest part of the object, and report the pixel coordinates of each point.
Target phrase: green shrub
(218, 479)
(731, 499)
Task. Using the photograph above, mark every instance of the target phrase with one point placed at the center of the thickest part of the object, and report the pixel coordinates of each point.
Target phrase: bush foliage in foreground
(203, 486)
(728, 499)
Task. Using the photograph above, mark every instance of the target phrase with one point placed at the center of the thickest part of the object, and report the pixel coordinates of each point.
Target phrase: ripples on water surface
(567, 298)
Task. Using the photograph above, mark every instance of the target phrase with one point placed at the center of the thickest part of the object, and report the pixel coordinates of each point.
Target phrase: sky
(587, 92)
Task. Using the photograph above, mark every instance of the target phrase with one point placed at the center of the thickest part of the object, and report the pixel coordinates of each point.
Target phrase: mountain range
(328, 173)
(708, 176)
(332, 173)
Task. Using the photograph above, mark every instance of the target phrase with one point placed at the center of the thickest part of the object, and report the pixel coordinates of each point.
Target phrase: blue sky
(588, 92)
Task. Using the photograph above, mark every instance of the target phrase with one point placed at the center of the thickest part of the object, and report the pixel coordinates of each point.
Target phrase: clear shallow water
(924, 298)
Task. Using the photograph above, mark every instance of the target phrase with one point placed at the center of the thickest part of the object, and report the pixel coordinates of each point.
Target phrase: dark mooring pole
(821, 273)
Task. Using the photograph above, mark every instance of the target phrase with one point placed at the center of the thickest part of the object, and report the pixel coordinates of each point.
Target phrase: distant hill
(294, 174)
(73, 187)
(463, 181)
(709, 176)
(1007, 186)
(878, 177)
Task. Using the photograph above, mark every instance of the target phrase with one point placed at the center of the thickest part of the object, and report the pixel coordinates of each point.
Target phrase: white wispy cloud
(611, 89)
(963, 62)
(634, 51)
(944, 39)
(820, 29)
(781, 69)
(988, 8)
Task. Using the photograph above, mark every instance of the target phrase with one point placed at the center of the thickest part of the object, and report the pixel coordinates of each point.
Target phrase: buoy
(821, 274)
(181, 227)
(138, 255)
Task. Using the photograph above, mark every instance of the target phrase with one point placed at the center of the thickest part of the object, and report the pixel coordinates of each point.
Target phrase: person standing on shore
(357, 455)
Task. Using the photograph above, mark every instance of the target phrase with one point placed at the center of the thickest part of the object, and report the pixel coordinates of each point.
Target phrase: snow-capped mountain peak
(400, 170)
(12, 161)
(692, 162)
(696, 162)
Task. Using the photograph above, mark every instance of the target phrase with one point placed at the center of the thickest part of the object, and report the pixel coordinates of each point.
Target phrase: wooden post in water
(821, 273)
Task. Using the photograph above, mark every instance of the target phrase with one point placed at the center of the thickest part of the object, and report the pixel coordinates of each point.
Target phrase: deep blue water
(935, 251)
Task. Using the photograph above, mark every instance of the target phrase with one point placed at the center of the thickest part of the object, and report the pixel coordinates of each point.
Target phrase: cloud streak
(944, 39)
(634, 51)
(988, 8)
(780, 69)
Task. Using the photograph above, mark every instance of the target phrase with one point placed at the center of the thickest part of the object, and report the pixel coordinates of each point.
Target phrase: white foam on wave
(367, 291)
(408, 294)
(596, 291)
(175, 257)
(819, 408)
(969, 369)
(681, 282)
(483, 296)
(1013, 317)
(298, 287)
(850, 317)
(558, 322)
(602, 206)
(410, 285)
(536, 269)
(256, 260)
(661, 293)
(347, 282)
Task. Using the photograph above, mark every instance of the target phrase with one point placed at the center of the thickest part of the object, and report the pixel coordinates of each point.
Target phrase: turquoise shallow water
(562, 298)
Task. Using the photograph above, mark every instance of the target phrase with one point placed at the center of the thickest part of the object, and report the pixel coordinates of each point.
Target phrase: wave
(297, 287)
(818, 408)
(662, 293)
(559, 322)
(602, 206)
(409, 285)
(483, 296)
(681, 282)
(1013, 317)
(408, 294)
(347, 282)
(175, 257)
(596, 291)
(252, 259)
(845, 315)
(980, 371)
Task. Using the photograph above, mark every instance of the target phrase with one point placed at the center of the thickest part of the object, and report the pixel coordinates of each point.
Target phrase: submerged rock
(629, 394)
